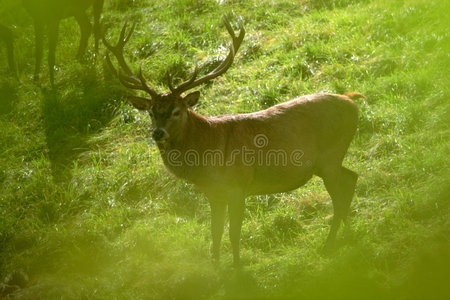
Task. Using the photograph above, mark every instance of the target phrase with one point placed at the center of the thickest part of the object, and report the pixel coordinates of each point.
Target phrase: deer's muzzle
(159, 134)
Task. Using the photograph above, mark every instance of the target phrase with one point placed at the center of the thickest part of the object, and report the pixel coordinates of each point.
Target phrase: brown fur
(314, 124)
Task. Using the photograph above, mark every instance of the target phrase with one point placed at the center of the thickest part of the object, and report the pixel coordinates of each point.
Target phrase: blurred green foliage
(87, 209)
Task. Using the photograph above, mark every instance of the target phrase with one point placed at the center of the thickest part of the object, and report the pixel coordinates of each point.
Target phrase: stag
(49, 13)
(7, 36)
(221, 155)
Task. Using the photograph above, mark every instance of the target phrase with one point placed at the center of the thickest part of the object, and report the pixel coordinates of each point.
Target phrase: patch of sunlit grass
(87, 208)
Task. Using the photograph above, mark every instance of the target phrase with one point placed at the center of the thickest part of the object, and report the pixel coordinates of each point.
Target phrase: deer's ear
(140, 103)
(192, 98)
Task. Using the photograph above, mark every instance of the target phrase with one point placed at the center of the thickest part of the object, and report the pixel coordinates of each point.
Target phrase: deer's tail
(354, 95)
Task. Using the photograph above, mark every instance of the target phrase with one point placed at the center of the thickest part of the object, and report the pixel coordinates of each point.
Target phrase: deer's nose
(159, 134)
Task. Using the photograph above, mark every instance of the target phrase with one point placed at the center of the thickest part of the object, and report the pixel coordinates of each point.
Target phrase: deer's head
(168, 111)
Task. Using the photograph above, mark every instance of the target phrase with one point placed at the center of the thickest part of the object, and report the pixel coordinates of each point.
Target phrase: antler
(220, 69)
(128, 79)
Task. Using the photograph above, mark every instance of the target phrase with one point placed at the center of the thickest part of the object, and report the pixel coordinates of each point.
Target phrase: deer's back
(319, 119)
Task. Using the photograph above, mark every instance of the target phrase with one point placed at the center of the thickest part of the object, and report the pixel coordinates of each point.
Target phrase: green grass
(87, 209)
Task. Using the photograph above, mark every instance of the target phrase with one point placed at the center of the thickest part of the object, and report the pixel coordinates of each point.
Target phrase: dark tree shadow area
(71, 114)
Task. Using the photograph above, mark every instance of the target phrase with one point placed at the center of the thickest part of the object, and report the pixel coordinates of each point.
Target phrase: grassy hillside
(88, 211)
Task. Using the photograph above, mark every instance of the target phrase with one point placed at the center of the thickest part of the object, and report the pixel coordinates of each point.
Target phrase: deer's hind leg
(10, 54)
(340, 183)
(86, 29)
(39, 47)
(53, 28)
(98, 7)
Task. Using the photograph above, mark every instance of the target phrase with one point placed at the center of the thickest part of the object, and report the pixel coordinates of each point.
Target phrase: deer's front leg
(236, 211)
(218, 211)
(53, 28)
(98, 7)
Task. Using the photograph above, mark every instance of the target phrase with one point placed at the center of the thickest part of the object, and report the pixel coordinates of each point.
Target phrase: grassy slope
(88, 210)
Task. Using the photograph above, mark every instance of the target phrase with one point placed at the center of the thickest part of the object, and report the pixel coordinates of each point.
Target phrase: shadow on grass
(8, 96)
(241, 284)
(72, 113)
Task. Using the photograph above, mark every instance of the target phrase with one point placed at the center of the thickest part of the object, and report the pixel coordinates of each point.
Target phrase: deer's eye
(176, 113)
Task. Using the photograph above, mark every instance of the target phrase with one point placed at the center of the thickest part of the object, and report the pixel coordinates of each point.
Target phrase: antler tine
(170, 82)
(122, 34)
(145, 85)
(125, 37)
(117, 49)
(128, 79)
(110, 65)
(123, 78)
(135, 84)
(226, 21)
(129, 82)
(185, 85)
(194, 75)
(223, 66)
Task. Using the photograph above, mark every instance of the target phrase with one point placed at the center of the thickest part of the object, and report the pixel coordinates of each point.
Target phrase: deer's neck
(198, 128)
(182, 155)
(195, 135)
(198, 134)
